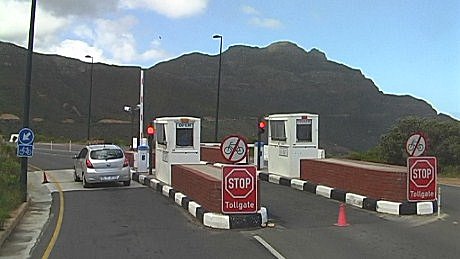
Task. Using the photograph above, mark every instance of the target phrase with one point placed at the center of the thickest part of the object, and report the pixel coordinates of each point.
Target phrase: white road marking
(269, 247)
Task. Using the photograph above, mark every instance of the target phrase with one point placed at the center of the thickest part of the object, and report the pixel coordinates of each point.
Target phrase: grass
(10, 188)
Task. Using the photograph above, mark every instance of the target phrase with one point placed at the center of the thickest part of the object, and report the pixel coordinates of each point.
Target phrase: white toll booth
(291, 137)
(177, 142)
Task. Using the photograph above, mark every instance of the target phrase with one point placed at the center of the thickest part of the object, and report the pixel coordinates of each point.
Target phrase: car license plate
(109, 178)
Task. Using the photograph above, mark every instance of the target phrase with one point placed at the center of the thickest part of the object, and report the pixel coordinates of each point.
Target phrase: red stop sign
(422, 173)
(422, 185)
(239, 189)
(239, 183)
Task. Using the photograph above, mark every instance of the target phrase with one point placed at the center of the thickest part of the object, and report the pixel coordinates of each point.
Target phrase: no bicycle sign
(234, 148)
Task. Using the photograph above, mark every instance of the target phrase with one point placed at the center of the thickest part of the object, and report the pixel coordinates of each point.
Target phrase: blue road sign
(25, 150)
(26, 136)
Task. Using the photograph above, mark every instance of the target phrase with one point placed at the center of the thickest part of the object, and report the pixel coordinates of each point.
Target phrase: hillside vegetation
(10, 191)
(279, 78)
(443, 139)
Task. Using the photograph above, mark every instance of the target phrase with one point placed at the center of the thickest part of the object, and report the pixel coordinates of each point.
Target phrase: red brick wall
(200, 187)
(372, 182)
(212, 155)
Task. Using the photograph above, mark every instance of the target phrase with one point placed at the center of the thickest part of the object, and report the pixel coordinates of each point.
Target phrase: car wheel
(85, 184)
(127, 183)
(75, 176)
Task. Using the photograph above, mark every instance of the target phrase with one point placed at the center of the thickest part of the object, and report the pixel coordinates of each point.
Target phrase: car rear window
(106, 154)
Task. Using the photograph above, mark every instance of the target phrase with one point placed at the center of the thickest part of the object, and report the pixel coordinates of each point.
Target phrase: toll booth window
(304, 130)
(277, 130)
(161, 136)
(184, 134)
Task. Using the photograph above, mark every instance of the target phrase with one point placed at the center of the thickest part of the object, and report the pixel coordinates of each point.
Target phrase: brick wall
(372, 180)
(202, 188)
(212, 155)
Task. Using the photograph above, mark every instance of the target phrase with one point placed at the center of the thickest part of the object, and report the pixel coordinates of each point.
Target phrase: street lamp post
(90, 97)
(216, 127)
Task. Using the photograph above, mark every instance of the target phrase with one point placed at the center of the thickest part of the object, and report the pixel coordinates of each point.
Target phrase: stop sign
(239, 189)
(422, 185)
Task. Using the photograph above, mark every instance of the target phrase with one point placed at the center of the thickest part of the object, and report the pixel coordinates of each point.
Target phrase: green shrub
(443, 142)
(10, 188)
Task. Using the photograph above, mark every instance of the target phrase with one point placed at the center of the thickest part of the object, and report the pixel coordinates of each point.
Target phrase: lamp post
(216, 127)
(27, 83)
(90, 96)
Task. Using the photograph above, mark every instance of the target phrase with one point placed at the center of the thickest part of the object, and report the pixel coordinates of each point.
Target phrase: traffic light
(150, 133)
(261, 127)
(150, 130)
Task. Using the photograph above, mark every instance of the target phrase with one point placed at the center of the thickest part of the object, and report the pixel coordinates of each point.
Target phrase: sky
(404, 46)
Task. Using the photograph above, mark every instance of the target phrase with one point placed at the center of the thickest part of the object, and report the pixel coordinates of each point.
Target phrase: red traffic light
(150, 130)
(261, 127)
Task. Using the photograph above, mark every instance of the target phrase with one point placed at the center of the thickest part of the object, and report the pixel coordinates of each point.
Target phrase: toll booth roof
(209, 170)
(367, 165)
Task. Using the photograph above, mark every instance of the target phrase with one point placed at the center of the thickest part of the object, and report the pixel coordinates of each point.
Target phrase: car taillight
(89, 164)
(126, 163)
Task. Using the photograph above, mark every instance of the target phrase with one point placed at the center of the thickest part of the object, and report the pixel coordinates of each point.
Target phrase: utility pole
(26, 110)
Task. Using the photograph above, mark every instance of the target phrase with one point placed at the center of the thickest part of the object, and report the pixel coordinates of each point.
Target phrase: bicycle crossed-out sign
(416, 144)
(234, 148)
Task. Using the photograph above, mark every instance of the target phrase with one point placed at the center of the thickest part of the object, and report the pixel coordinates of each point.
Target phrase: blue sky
(405, 47)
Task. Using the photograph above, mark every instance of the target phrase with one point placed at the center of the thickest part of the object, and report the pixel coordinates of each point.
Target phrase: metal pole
(439, 201)
(26, 110)
(258, 151)
(90, 98)
(141, 108)
(132, 124)
(216, 127)
(150, 154)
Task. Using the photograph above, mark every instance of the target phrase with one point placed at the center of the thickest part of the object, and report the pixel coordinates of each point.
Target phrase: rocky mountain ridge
(279, 78)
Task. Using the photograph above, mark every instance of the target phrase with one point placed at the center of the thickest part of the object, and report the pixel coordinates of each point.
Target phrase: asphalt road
(119, 222)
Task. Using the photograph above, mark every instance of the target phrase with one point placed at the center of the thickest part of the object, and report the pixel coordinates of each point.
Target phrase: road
(120, 222)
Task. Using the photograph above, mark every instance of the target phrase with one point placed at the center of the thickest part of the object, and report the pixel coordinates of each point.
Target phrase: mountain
(279, 78)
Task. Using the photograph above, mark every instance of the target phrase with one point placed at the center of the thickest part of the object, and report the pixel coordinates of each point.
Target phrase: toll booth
(291, 137)
(177, 142)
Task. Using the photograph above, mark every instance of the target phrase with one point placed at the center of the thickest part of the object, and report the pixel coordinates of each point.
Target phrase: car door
(80, 162)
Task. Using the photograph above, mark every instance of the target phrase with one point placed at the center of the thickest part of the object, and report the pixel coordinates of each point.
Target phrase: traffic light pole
(150, 153)
(258, 150)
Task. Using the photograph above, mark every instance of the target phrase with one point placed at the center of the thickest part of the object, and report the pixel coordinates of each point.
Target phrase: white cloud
(85, 8)
(169, 8)
(258, 20)
(78, 49)
(15, 19)
(84, 32)
(12, 28)
(70, 33)
(266, 23)
(249, 10)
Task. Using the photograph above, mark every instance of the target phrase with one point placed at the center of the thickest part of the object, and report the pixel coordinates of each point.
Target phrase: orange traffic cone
(45, 180)
(342, 219)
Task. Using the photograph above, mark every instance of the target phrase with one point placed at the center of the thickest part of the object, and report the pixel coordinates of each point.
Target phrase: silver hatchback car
(101, 164)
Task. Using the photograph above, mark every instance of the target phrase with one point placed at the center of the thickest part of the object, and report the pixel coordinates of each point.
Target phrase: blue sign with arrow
(25, 143)
(26, 136)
